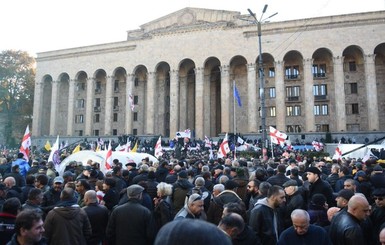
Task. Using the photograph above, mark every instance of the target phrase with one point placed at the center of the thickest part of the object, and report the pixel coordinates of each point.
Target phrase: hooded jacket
(266, 222)
(67, 225)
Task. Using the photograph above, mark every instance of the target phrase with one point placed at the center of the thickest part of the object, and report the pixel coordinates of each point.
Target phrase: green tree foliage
(17, 85)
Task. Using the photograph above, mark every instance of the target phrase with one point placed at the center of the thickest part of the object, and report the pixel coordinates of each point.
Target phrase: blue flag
(236, 96)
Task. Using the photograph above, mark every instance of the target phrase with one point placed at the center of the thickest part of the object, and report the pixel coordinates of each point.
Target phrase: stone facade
(320, 74)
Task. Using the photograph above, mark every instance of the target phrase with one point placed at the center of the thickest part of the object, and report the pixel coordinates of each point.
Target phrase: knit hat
(318, 199)
(313, 170)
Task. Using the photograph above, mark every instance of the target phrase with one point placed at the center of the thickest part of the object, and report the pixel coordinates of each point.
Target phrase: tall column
(338, 63)
(110, 80)
(129, 92)
(308, 97)
(89, 106)
(225, 99)
(71, 106)
(54, 105)
(37, 109)
(183, 102)
(174, 102)
(280, 96)
(150, 103)
(199, 106)
(371, 92)
(251, 97)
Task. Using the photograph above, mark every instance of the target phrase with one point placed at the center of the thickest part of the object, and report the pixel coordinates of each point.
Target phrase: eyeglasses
(378, 198)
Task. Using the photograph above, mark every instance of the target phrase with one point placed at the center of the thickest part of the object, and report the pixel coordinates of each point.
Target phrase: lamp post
(262, 79)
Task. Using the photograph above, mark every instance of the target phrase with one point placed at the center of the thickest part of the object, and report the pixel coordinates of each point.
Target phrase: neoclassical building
(320, 74)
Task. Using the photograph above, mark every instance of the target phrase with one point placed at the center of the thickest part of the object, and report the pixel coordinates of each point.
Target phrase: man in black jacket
(131, 222)
(319, 186)
(98, 216)
(346, 227)
(265, 219)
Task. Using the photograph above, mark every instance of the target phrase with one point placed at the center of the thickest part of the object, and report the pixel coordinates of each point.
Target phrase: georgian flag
(224, 148)
(277, 137)
(207, 142)
(338, 153)
(109, 157)
(158, 148)
(317, 145)
(25, 144)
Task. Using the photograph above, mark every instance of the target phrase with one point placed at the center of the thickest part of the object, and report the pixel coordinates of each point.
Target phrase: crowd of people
(290, 199)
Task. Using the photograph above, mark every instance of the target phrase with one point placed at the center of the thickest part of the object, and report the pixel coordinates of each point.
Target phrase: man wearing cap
(193, 209)
(294, 200)
(378, 213)
(52, 196)
(343, 197)
(131, 223)
(345, 228)
(218, 172)
(131, 167)
(363, 184)
(319, 186)
(180, 189)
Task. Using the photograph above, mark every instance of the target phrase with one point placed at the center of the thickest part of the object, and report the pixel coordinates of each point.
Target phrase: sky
(47, 25)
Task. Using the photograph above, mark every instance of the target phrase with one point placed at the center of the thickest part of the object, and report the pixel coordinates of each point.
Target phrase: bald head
(90, 197)
(10, 181)
(300, 214)
(331, 212)
(358, 206)
(301, 221)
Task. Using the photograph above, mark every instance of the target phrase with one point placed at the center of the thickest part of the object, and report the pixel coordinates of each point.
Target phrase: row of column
(175, 117)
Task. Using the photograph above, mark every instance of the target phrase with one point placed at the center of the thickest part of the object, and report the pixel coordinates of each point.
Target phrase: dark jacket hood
(68, 212)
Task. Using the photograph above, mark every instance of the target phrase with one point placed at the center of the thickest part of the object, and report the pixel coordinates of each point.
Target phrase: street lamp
(262, 80)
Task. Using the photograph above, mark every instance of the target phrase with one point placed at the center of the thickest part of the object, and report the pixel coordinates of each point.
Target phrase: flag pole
(235, 124)
(272, 149)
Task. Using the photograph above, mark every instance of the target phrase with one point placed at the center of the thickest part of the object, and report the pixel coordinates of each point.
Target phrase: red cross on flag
(277, 137)
(224, 148)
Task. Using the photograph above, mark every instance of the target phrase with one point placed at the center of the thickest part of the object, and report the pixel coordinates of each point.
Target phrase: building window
(272, 111)
(320, 110)
(80, 86)
(319, 70)
(322, 127)
(355, 108)
(98, 87)
(352, 109)
(271, 72)
(116, 86)
(136, 99)
(116, 103)
(114, 132)
(115, 117)
(135, 131)
(96, 132)
(135, 116)
(293, 110)
(293, 129)
(79, 119)
(136, 82)
(353, 88)
(292, 93)
(319, 90)
(291, 72)
(352, 66)
(80, 103)
(79, 132)
(97, 118)
(272, 92)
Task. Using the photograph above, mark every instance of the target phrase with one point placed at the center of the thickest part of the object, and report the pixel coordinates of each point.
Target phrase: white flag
(224, 148)
(158, 148)
(277, 137)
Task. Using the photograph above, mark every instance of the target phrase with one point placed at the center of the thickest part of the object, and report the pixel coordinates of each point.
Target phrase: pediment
(187, 17)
